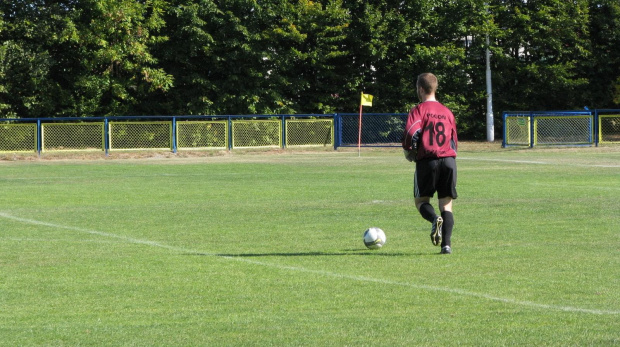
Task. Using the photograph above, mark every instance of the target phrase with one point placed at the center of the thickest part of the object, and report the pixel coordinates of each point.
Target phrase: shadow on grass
(354, 252)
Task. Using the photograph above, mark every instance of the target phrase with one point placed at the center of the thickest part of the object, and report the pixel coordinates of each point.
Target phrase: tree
(4, 107)
(79, 57)
(113, 39)
(214, 53)
(255, 57)
(29, 39)
(305, 52)
(537, 64)
(443, 37)
(119, 57)
(186, 56)
(603, 69)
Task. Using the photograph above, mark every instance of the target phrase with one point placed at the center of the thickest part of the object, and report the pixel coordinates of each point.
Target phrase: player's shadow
(315, 254)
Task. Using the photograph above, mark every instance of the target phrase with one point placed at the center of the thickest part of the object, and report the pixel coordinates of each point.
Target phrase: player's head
(427, 84)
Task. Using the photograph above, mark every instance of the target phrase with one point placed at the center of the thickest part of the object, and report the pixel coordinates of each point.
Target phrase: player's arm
(455, 140)
(413, 129)
(411, 135)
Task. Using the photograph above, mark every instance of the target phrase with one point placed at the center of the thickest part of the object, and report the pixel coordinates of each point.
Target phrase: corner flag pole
(359, 134)
(366, 100)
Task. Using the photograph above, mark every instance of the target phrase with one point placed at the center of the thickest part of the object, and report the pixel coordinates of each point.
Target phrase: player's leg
(445, 206)
(425, 208)
(446, 192)
(422, 201)
(422, 179)
(423, 190)
(428, 212)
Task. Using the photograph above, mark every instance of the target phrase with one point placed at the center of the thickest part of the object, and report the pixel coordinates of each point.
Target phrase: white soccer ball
(374, 238)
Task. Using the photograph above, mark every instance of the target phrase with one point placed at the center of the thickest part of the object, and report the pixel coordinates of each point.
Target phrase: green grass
(266, 249)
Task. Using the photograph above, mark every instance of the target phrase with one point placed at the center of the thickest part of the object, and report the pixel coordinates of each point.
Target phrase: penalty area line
(316, 272)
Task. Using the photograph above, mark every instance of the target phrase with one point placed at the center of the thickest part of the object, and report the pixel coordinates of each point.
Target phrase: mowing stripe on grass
(316, 272)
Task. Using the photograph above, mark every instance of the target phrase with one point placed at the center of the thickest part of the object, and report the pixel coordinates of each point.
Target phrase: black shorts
(435, 175)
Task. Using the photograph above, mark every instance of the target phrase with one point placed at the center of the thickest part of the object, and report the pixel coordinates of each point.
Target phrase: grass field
(265, 249)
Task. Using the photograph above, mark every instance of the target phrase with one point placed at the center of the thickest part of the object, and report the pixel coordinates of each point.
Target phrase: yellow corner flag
(366, 100)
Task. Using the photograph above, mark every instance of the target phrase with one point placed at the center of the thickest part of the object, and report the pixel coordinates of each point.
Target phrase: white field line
(316, 272)
(537, 162)
(92, 232)
(29, 239)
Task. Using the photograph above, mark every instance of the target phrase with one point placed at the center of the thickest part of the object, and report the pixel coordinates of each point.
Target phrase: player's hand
(410, 154)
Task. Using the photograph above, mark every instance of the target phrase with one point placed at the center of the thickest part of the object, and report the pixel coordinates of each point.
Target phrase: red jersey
(431, 129)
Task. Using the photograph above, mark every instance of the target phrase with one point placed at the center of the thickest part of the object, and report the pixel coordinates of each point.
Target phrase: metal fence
(178, 133)
(200, 134)
(18, 137)
(561, 128)
(608, 126)
(377, 129)
(167, 133)
(181, 133)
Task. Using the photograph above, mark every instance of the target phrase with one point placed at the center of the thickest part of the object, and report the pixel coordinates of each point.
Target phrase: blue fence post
(596, 130)
(504, 130)
(283, 131)
(532, 134)
(106, 136)
(591, 134)
(39, 137)
(230, 134)
(174, 134)
(337, 131)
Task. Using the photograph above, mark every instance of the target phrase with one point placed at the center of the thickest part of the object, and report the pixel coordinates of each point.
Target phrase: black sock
(428, 212)
(446, 230)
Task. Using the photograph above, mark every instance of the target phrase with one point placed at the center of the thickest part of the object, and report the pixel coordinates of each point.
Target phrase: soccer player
(430, 141)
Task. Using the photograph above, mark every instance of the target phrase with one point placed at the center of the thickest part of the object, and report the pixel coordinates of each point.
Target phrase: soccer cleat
(436, 231)
(446, 250)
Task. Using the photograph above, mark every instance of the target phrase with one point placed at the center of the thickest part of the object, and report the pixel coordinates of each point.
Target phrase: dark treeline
(77, 58)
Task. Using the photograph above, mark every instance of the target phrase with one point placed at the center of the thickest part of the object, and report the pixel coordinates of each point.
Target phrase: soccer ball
(374, 238)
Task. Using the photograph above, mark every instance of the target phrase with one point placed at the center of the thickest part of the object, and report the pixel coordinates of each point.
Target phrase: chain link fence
(309, 132)
(18, 137)
(202, 135)
(609, 128)
(563, 130)
(377, 129)
(256, 133)
(269, 131)
(72, 136)
(140, 135)
(559, 128)
(518, 130)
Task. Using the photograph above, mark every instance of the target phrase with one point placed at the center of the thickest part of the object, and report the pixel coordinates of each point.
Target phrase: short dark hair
(428, 82)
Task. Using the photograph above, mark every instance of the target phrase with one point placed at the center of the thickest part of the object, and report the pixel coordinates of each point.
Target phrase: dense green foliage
(122, 57)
